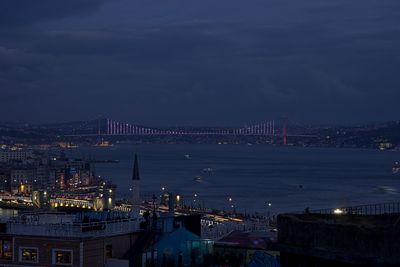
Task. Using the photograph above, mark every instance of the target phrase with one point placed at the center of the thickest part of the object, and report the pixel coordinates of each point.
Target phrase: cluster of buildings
(122, 239)
(29, 178)
(28, 170)
(138, 236)
(97, 232)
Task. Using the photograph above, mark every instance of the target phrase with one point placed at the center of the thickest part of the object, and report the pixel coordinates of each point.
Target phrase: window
(6, 249)
(28, 254)
(62, 256)
(109, 251)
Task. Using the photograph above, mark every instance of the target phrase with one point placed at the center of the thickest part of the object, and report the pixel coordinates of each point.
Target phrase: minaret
(135, 185)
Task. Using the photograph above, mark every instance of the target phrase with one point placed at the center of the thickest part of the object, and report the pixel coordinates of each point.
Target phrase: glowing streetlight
(338, 211)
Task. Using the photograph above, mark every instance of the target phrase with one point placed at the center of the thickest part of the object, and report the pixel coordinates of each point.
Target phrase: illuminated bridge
(110, 127)
(113, 127)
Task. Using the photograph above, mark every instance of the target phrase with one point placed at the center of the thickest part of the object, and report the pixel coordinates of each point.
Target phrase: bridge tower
(99, 126)
(284, 130)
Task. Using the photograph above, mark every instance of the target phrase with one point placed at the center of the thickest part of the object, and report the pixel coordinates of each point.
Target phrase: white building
(9, 155)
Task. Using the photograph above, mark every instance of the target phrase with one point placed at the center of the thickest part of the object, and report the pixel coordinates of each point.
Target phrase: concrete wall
(95, 249)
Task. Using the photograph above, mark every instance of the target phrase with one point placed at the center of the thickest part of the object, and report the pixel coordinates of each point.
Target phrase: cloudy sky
(200, 62)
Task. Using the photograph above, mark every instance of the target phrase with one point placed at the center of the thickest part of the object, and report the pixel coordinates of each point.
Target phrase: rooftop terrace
(71, 226)
(365, 234)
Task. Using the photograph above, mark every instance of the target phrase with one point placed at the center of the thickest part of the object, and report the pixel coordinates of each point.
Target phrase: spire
(135, 175)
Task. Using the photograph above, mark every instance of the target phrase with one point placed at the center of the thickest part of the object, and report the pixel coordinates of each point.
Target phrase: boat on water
(385, 190)
(187, 156)
(208, 171)
(396, 168)
(103, 143)
(64, 145)
(198, 178)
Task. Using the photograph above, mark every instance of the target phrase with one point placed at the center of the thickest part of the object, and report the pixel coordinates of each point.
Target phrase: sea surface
(257, 178)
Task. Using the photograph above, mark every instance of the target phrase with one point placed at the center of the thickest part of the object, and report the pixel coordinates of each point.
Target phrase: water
(289, 178)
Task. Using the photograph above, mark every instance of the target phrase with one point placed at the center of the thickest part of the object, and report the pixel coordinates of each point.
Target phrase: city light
(338, 211)
(87, 97)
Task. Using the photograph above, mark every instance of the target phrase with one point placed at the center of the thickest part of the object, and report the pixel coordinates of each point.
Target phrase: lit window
(6, 247)
(62, 256)
(28, 254)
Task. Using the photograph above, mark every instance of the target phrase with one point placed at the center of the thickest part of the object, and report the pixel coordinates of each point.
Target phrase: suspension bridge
(113, 127)
(110, 127)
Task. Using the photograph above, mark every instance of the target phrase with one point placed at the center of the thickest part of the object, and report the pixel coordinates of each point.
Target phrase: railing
(79, 230)
(371, 209)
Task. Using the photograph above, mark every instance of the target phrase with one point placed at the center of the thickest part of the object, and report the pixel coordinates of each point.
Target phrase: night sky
(200, 62)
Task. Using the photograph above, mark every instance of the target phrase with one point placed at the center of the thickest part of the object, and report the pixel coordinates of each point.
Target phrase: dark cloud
(205, 62)
(25, 12)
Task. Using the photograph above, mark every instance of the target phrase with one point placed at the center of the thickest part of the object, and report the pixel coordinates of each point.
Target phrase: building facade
(55, 239)
(18, 155)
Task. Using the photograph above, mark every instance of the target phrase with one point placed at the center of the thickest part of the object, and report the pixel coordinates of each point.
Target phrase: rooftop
(85, 225)
(362, 235)
(383, 220)
(249, 240)
(382, 214)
